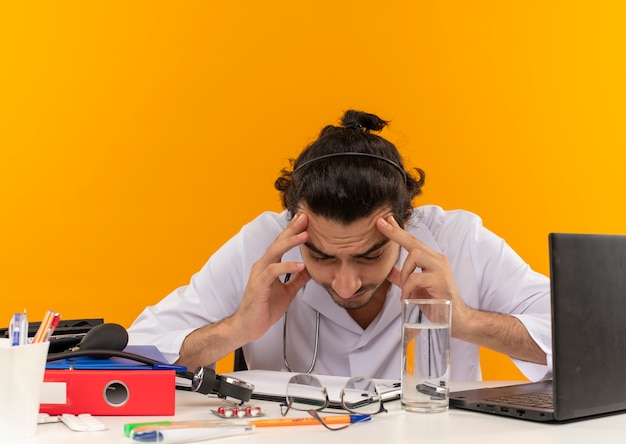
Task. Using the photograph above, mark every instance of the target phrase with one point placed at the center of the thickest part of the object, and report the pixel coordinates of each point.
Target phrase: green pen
(128, 428)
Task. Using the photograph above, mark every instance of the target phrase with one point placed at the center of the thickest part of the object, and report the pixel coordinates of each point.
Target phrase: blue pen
(14, 330)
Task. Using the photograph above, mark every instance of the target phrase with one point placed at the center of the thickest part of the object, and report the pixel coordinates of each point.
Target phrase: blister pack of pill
(44, 418)
(82, 423)
(238, 412)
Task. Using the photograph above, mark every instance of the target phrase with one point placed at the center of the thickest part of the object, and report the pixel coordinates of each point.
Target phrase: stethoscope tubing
(317, 337)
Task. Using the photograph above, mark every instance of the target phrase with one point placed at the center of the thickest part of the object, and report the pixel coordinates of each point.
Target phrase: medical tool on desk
(206, 381)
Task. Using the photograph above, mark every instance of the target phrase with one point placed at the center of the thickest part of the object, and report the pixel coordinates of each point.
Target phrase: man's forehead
(369, 219)
(354, 252)
(328, 236)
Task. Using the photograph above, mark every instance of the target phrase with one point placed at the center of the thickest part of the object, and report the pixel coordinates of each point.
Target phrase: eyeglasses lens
(360, 396)
(305, 392)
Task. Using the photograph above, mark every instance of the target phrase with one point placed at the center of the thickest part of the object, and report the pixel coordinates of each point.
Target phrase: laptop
(588, 286)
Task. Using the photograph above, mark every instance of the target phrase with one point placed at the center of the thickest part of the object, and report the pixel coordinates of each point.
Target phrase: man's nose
(346, 281)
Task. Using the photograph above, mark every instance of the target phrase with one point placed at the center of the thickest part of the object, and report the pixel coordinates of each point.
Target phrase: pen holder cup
(21, 377)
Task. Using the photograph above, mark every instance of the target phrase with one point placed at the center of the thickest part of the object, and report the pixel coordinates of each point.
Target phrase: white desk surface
(396, 426)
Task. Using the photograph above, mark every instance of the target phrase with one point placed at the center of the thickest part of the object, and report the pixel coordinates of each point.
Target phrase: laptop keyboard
(539, 399)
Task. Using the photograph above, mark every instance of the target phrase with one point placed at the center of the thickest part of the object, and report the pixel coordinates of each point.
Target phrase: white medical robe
(489, 274)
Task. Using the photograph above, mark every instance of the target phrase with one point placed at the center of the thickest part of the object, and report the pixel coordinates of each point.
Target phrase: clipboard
(117, 363)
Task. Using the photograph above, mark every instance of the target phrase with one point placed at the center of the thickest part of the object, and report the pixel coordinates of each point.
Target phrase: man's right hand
(264, 301)
(266, 298)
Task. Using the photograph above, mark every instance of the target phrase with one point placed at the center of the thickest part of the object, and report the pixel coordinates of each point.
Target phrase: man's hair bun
(363, 121)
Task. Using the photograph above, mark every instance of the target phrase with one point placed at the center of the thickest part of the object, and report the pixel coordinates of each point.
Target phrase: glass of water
(425, 355)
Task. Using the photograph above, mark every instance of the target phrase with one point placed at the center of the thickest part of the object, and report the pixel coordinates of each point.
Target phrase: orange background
(136, 137)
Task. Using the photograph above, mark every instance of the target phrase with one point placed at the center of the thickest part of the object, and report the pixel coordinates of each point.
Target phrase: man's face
(350, 261)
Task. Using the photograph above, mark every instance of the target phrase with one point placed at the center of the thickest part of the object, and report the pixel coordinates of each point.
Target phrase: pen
(165, 434)
(53, 324)
(24, 329)
(14, 329)
(334, 419)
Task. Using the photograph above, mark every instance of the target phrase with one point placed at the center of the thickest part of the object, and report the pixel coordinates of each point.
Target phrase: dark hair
(348, 173)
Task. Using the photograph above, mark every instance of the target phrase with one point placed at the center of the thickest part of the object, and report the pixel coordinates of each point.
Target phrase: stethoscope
(317, 336)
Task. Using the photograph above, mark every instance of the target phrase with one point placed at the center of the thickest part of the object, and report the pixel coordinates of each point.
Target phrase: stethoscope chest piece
(206, 381)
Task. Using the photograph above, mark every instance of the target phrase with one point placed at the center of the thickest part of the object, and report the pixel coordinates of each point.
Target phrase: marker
(140, 427)
(166, 434)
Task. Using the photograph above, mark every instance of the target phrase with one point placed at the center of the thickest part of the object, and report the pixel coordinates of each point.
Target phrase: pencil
(43, 327)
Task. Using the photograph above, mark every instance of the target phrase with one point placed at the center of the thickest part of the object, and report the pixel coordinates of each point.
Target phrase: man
(334, 265)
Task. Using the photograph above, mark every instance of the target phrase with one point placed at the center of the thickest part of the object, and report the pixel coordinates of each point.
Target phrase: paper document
(271, 385)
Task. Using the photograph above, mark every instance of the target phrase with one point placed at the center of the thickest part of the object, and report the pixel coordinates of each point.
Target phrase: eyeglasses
(305, 392)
